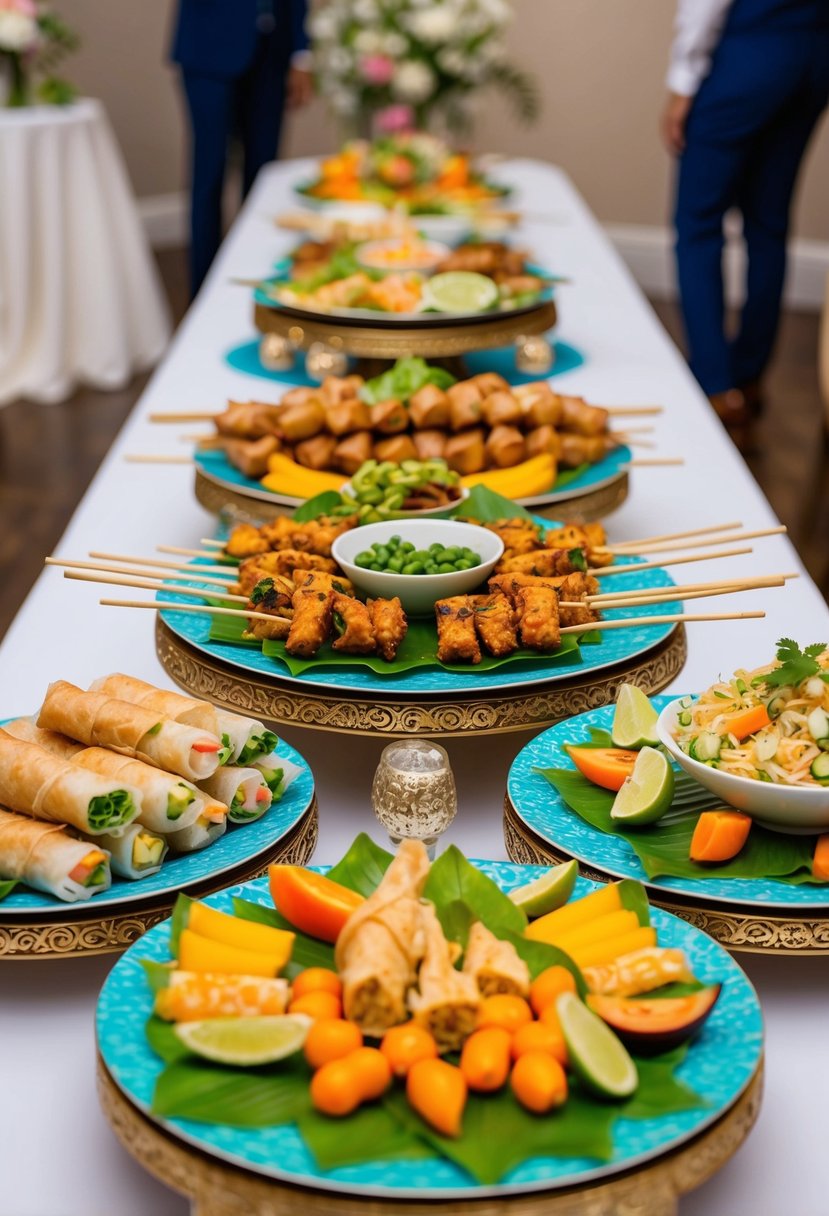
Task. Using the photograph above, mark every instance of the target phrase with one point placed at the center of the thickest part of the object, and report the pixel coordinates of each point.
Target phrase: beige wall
(600, 64)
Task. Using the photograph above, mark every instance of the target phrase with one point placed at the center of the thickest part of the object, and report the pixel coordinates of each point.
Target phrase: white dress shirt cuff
(685, 79)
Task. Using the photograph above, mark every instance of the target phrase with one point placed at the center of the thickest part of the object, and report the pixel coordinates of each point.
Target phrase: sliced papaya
(604, 766)
(653, 1025)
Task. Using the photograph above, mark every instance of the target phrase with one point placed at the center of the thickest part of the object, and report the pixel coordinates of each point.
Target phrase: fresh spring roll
(34, 782)
(137, 853)
(277, 772)
(47, 858)
(197, 836)
(243, 790)
(102, 721)
(243, 738)
(168, 801)
(172, 705)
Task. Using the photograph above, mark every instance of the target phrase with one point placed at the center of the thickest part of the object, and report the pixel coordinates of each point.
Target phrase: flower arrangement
(33, 40)
(391, 65)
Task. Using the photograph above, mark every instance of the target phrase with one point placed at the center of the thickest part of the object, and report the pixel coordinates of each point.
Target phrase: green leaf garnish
(796, 665)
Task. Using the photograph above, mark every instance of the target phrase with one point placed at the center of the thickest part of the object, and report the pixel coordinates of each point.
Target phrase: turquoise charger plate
(542, 809)
(617, 646)
(719, 1065)
(238, 845)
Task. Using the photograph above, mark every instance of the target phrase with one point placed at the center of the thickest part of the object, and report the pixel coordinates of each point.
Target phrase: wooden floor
(49, 453)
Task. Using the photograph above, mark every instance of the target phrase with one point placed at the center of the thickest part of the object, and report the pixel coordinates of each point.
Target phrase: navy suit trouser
(249, 107)
(745, 138)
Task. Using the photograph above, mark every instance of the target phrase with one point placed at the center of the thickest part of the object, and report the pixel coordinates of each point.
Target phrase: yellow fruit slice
(197, 953)
(552, 926)
(602, 929)
(233, 931)
(607, 952)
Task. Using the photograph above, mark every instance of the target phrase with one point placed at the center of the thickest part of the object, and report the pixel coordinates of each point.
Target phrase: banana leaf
(7, 886)
(486, 506)
(663, 848)
(362, 867)
(190, 1088)
(453, 878)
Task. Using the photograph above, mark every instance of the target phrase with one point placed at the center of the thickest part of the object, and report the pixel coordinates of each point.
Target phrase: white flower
(343, 102)
(395, 45)
(323, 25)
(452, 62)
(497, 12)
(368, 42)
(413, 81)
(365, 11)
(432, 25)
(18, 31)
(339, 61)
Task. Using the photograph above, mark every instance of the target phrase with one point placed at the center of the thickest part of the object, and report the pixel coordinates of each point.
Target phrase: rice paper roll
(58, 745)
(243, 738)
(46, 858)
(169, 802)
(197, 836)
(102, 721)
(135, 854)
(278, 773)
(244, 791)
(35, 782)
(172, 705)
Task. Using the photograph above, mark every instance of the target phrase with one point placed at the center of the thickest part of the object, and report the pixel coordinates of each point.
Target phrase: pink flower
(393, 119)
(377, 69)
(26, 8)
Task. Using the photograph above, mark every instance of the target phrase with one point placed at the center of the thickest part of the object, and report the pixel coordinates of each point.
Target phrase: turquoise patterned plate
(617, 646)
(719, 1066)
(238, 845)
(541, 808)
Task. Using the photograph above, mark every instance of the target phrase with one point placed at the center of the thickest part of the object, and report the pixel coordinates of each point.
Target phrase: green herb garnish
(796, 665)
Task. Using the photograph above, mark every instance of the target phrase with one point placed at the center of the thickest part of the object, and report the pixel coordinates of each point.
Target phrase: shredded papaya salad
(770, 724)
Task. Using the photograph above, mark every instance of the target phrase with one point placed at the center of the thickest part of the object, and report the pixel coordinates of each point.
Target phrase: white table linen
(81, 301)
(46, 1009)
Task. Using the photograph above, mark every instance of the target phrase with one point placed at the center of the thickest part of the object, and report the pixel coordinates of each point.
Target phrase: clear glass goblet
(413, 794)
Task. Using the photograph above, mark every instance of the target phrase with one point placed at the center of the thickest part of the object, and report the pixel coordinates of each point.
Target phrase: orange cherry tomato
(404, 1045)
(317, 1005)
(546, 987)
(331, 1039)
(539, 1036)
(504, 1010)
(539, 1082)
(316, 979)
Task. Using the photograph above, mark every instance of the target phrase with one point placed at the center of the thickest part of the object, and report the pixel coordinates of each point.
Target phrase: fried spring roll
(335, 389)
(316, 453)
(347, 417)
(350, 453)
(429, 445)
(429, 408)
(49, 740)
(543, 439)
(193, 996)
(48, 859)
(505, 447)
(311, 623)
(173, 705)
(457, 638)
(466, 453)
(301, 421)
(494, 624)
(583, 419)
(539, 404)
(490, 382)
(502, 409)
(396, 449)
(389, 417)
(494, 964)
(538, 623)
(251, 456)
(581, 449)
(388, 620)
(447, 1002)
(352, 625)
(465, 405)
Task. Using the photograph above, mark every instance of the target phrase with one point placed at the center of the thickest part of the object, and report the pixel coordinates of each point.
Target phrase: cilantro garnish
(796, 664)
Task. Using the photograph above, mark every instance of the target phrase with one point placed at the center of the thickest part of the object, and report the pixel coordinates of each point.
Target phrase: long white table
(58, 1155)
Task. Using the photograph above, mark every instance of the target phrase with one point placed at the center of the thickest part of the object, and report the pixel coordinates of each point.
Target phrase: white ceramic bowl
(803, 810)
(426, 512)
(434, 253)
(418, 592)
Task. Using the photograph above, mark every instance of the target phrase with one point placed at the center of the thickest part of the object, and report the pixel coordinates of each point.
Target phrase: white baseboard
(648, 251)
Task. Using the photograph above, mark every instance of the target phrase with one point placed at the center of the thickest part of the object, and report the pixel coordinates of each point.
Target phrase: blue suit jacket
(218, 37)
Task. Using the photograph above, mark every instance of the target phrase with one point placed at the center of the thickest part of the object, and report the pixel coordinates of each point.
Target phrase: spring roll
(34, 782)
(172, 705)
(495, 965)
(244, 791)
(48, 859)
(102, 721)
(136, 854)
(448, 1001)
(245, 737)
(277, 772)
(58, 745)
(197, 836)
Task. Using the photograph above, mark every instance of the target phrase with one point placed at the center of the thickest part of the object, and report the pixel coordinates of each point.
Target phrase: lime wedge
(459, 291)
(647, 793)
(598, 1058)
(246, 1040)
(634, 719)
(550, 891)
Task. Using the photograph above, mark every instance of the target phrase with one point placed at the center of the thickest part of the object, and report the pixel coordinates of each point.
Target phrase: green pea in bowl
(414, 583)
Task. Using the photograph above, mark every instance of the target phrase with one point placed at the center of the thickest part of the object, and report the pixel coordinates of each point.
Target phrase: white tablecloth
(80, 298)
(46, 1009)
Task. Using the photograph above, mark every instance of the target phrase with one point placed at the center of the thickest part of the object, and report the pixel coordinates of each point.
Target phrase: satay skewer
(150, 572)
(653, 462)
(668, 546)
(632, 546)
(711, 555)
(667, 595)
(175, 549)
(195, 570)
(164, 606)
(639, 621)
(150, 585)
(634, 411)
(597, 601)
(184, 416)
(156, 458)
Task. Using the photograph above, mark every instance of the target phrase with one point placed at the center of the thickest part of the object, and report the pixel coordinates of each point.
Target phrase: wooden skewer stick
(148, 458)
(183, 552)
(152, 572)
(639, 621)
(766, 580)
(668, 546)
(667, 595)
(635, 430)
(633, 545)
(154, 561)
(621, 437)
(183, 416)
(634, 411)
(606, 571)
(150, 585)
(160, 606)
(654, 462)
(212, 543)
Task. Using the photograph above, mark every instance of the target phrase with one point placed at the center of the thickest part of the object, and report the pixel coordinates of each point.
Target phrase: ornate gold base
(243, 507)
(216, 1189)
(438, 341)
(585, 508)
(740, 928)
(286, 702)
(69, 933)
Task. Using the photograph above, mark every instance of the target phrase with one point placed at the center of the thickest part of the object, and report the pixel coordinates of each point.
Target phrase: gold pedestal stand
(741, 928)
(69, 932)
(217, 1189)
(344, 710)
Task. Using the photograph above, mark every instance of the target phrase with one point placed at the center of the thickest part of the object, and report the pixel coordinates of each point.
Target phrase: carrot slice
(747, 721)
(604, 766)
(820, 860)
(719, 835)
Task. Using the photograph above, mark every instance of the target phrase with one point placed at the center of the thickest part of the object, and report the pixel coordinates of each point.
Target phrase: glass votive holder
(413, 793)
(276, 353)
(325, 359)
(533, 355)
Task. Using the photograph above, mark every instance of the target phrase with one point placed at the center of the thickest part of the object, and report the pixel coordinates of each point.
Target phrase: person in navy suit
(748, 82)
(240, 60)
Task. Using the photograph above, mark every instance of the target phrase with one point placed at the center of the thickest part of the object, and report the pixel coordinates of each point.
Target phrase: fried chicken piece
(543, 562)
(538, 623)
(282, 562)
(457, 639)
(389, 623)
(273, 598)
(352, 624)
(581, 418)
(321, 580)
(494, 623)
(576, 587)
(246, 541)
(590, 537)
(278, 532)
(448, 1001)
(518, 535)
(312, 621)
(539, 404)
(251, 456)
(583, 449)
(248, 419)
(495, 965)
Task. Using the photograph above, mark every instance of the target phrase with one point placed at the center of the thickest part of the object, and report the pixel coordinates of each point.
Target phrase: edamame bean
(413, 568)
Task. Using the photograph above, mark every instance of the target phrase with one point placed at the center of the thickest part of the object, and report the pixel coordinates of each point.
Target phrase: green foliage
(453, 878)
(320, 504)
(486, 506)
(7, 885)
(797, 664)
(519, 88)
(363, 866)
(403, 380)
(307, 951)
(190, 1088)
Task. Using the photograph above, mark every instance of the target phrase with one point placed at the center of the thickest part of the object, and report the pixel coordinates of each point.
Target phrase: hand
(299, 87)
(672, 123)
